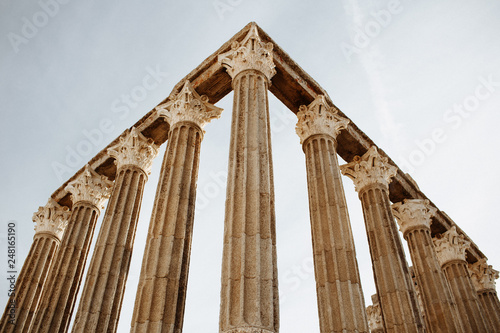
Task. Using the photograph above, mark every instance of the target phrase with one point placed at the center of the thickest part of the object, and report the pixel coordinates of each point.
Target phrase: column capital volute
(370, 169)
(413, 214)
(91, 187)
(450, 246)
(319, 118)
(251, 53)
(52, 219)
(188, 106)
(483, 276)
(135, 149)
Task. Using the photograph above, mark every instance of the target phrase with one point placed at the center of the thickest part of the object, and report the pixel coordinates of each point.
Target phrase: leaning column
(483, 277)
(414, 218)
(340, 297)
(450, 249)
(372, 174)
(51, 221)
(102, 295)
(88, 192)
(249, 293)
(161, 294)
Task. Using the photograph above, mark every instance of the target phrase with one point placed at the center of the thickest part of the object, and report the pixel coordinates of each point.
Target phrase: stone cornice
(319, 118)
(413, 213)
(134, 149)
(483, 275)
(90, 187)
(450, 246)
(188, 105)
(51, 218)
(369, 169)
(250, 53)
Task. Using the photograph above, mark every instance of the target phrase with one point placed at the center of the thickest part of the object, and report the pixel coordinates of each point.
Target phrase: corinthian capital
(51, 218)
(450, 246)
(413, 213)
(319, 118)
(189, 106)
(90, 187)
(134, 149)
(251, 53)
(483, 275)
(369, 169)
(374, 314)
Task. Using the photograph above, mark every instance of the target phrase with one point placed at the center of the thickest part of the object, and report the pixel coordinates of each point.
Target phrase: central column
(340, 297)
(450, 249)
(372, 174)
(161, 294)
(102, 295)
(249, 293)
(414, 217)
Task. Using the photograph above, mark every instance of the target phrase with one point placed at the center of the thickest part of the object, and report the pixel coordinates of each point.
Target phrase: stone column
(374, 313)
(450, 249)
(88, 192)
(249, 293)
(102, 295)
(414, 218)
(372, 174)
(161, 294)
(340, 297)
(483, 277)
(51, 221)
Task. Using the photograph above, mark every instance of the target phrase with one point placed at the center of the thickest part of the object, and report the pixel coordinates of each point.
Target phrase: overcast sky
(420, 78)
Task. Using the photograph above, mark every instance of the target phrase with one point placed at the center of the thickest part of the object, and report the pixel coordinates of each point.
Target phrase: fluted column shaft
(51, 222)
(491, 306)
(468, 304)
(249, 294)
(338, 285)
(102, 295)
(483, 278)
(439, 305)
(161, 294)
(398, 302)
(59, 295)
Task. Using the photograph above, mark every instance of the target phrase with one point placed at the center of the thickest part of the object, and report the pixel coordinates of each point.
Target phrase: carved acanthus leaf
(319, 118)
(250, 53)
(413, 213)
(483, 275)
(91, 187)
(374, 314)
(450, 246)
(134, 149)
(369, 169)
(188, 105)
(51, 218)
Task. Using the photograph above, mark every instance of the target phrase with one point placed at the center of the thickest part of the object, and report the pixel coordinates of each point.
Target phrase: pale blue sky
(410, 74)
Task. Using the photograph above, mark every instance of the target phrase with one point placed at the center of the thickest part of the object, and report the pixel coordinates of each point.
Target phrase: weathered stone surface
(249, 293)
(51, 221)
(441, 313)
(340, 297)
(102, 295)
(374, 313)
(372, 174)
(58, 298)
(483, 278)
(450, 249)
(161, 294)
